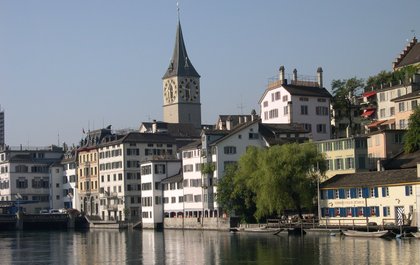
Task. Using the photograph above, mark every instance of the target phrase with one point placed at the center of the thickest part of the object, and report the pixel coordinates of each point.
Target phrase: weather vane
(177, 8)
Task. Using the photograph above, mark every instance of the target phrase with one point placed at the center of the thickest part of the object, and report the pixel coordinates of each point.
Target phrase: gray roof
(180, 64)
(138, 137)
(372, 179)
(175, 178)
(411, 55)
(272, 132)
(310, 91)
(403, 160)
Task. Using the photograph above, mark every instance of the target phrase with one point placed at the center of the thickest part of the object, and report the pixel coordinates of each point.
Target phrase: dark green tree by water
(276, 179)
(412, 136)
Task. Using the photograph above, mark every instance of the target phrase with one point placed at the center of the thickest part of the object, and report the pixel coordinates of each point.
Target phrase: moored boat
(416, 234)
(354, 233)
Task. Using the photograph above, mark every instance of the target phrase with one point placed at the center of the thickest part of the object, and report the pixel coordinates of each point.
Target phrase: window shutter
(342, 212)
(330, 194)
(341, 193)
(383, 192)
(377, 211)
(365, 192)
(366, 211)
(321, 194)
(354, 211)
(376, 192)
(406, 191)
(323, 212)
(353, 193)
(331, 212)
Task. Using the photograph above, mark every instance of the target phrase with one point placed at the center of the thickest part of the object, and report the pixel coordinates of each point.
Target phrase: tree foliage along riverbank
(412, 136)
(268, 181)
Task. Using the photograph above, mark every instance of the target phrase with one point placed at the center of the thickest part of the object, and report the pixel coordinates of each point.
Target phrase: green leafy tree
(403, 75)
(344, 99)
(236, 198)
(281, 177)
(412, 136)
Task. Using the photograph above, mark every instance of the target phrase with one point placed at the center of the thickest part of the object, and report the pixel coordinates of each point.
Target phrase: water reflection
(197, 247)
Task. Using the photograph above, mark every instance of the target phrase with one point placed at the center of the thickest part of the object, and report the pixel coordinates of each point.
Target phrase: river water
(199, 247)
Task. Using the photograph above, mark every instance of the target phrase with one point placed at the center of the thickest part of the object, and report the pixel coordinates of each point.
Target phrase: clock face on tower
(188, 89)
(170, 91)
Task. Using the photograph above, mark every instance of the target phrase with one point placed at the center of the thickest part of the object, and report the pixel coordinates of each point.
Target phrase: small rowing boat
(416, 234)
(354, 233)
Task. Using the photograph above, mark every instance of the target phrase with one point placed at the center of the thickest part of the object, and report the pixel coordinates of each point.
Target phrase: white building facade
(152, 193)
(25, 176)
(303, 102)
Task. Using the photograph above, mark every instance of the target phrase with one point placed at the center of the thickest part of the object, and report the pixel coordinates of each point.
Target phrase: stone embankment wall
(197, 223)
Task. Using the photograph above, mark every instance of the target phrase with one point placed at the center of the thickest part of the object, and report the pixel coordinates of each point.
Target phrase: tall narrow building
(181, 87)
(2, 141)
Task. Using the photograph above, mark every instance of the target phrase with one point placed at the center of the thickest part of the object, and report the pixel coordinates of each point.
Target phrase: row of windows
(354, 211)
(113, 165)
(172, 186)
(189, 154)
(88, 185)
(22, 183)
(341, 145)
(112, 153)
(34, 169)
(108, 179)
(41, 198)
(87, 157)
(360, 192)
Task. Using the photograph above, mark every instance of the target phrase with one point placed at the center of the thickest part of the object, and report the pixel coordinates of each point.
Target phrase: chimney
(295, 75)
(418, 170)
(281, 77)
(379, 166)
(229, 123)
(319, 76)
(154, 126)
(253, 115)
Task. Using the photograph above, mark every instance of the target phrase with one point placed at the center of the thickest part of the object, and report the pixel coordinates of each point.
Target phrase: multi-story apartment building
(389, 106)
(25, 175)
(345, 155)
(153, 196)
(300, 101)
(120, 157)
(88, 170)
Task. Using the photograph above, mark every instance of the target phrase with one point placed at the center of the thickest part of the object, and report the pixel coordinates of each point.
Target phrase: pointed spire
(180, 64)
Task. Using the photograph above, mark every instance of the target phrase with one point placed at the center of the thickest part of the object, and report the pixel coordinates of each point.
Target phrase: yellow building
(344, 155)
(88, 179)
(381, 197)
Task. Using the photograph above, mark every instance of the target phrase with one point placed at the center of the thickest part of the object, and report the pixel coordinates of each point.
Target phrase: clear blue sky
(68, 65)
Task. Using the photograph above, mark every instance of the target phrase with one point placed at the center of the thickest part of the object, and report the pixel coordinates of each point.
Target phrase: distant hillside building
(298, 101)
(390, 105)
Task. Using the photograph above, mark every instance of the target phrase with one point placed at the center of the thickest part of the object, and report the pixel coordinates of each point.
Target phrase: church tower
(181, 87)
